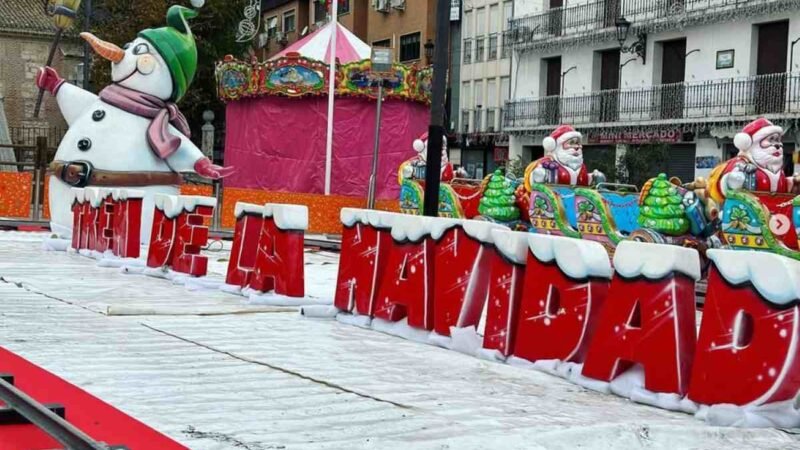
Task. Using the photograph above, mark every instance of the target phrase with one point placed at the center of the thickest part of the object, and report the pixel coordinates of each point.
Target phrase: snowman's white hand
(204, 167)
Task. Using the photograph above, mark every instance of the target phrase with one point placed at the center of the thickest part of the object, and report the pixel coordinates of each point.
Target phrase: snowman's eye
(141, 49)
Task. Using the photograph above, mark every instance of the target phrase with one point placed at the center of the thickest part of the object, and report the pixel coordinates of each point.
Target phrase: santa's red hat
(419, 144)
(560, 135)
(755, 131)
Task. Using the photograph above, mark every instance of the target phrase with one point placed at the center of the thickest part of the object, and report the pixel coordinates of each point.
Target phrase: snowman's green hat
(175, 43)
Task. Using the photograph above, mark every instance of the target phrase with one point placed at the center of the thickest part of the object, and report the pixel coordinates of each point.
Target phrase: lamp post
(429, 51)
(63, 13)
(436, 128)
(639, 47)
(381, 65)
(564, 74)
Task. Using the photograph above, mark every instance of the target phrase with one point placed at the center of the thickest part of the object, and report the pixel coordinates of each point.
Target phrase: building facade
(25, 37)
(687, 76)
(485, 82)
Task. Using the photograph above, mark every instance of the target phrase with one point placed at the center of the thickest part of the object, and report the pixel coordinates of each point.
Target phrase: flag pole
(331, 90)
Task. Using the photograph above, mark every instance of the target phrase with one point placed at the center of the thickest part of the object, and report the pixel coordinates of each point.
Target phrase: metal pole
(50, 57)
(373, 177)
(48, 421)
(87, 53)
(436, 129)
(331, 90)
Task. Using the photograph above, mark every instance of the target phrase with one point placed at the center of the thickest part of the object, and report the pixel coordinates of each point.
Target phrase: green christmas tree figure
(498, 200)
(662, 209)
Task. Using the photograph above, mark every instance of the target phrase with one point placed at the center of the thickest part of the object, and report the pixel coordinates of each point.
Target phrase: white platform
(278, 380)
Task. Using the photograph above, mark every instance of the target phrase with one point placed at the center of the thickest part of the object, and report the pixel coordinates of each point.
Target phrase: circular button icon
(779, 224)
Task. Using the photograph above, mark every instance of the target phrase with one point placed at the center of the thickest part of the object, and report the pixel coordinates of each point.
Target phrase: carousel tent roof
(317, 45)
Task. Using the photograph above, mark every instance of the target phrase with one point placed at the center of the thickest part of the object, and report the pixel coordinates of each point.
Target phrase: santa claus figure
(563, 161)
(757, 167)
(414, 168)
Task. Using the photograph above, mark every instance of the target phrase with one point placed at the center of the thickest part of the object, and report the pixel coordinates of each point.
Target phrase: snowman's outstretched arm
(187, 155)
(189, 158)
(72, 100)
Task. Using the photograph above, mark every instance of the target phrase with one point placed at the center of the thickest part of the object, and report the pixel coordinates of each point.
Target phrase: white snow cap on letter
(122, 194)
(481, 230)
(655, 261)
(95, 195)
(77, 195)
(378, 219)
(243, 208)
(412, 228)
(288, 217)
(440, 226)
(172, 205)
(577, 258)
(775, 277)
(512, 244)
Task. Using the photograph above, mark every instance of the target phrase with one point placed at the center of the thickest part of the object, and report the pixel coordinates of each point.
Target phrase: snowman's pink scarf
(161, 141)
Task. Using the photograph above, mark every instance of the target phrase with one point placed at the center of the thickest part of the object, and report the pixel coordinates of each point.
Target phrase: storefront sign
(500, 154)
(455, 10)
(636, 137)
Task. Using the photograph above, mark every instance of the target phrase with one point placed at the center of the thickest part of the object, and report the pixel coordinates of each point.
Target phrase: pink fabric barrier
(278, 143)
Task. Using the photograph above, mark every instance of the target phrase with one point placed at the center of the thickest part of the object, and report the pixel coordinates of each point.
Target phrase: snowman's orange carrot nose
(105, 49)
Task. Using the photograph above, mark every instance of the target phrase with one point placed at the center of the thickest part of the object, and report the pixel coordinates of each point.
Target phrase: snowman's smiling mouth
(134, 72)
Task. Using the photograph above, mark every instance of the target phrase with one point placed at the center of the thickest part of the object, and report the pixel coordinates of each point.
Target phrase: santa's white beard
(764, 158)
(574, 162)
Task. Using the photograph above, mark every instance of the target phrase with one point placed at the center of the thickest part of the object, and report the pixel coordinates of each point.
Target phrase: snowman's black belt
(83, 173)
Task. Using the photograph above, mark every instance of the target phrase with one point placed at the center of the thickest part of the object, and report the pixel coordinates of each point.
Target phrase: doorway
(552, 100)
(555, 17)
(770, 86)
(673, 72)
(607, 104)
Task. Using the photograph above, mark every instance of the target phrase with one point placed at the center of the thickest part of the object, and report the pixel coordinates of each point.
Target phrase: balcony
(776, 95)
(594, 21)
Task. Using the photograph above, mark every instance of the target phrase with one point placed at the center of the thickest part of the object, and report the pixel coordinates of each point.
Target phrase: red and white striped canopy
(317, 45)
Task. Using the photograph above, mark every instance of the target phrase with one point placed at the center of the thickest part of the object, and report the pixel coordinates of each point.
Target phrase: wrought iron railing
(695, 102)
(600, 15)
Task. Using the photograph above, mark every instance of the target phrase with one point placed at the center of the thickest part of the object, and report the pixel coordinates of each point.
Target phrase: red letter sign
(649, 317)
(249, 220)
(179, 233)
(364, 250)
(78, 215)
(747, 350)
(127, 222)
(406, 280)
(505, 289)
(280, 259)
(566, 283)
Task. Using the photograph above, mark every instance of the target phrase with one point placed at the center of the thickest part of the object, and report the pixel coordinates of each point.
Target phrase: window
(409, 47)
(272, 26)
(480, 48)
(344, 7)
(320, 12)
(480, 21)
(288, 21)
(479, 94)
(494, 18)
(468, 51)
(467, 24)
(506, 15)
(505, 89)
(466, 95)
(492, 47)
(491, 93)
(385, 43)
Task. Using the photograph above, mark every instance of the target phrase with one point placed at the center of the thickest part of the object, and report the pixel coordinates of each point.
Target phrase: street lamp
(639, 47)
(380, 68)
(429, 51)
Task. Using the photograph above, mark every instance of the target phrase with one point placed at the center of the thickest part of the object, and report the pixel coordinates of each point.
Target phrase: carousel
(276, 123)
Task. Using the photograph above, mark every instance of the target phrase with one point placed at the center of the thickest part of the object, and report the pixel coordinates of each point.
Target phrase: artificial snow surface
(276, 379)
(655, 261)
(577, 258)
(775, 277)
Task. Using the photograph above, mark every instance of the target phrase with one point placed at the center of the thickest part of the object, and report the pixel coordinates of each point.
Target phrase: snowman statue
(132, 135)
